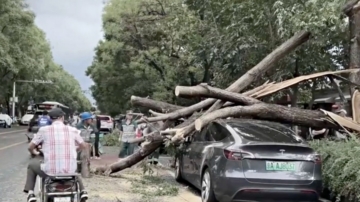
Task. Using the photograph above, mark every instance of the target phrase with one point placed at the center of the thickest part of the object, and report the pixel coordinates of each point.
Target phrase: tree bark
(192, 91)
(146, 149)
(266, 64)
(272, 112)
(204, 90)
(85, 161)
(352, 10)
(159, 106)
(258, 109)
(154, 113)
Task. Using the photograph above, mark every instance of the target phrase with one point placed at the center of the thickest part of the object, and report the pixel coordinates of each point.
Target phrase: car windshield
(265, 132)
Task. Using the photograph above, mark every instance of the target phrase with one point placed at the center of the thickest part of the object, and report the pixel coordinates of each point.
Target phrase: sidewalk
(132, 185)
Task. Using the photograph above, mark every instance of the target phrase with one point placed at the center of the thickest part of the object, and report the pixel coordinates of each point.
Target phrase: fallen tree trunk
(159, 106)
(85, 161)
(272, 112)
(204, 90)
(194, 91)
(266, 64)
(145, 150)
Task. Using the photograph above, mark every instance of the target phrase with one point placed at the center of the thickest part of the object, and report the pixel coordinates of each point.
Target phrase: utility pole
(13, 99)
(14, 91)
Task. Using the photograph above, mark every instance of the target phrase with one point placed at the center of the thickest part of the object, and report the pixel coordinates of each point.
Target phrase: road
(13, 162)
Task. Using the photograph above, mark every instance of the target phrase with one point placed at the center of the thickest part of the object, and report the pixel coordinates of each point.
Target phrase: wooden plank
(355, 104)
(288, 83)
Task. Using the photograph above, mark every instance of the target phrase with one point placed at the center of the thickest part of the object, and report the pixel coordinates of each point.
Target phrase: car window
(260, 132)
(201, 136)
(218, 132)
(104, 118)
(197, 137)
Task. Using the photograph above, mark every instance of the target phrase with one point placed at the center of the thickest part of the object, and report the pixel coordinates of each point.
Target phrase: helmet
(85, 116)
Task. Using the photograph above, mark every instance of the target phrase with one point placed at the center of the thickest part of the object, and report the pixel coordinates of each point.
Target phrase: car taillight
(237, 155)
(316, 158)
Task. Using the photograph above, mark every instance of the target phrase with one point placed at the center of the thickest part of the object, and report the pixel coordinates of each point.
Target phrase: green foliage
(341, 166)
(112, 139)
(25, 54)
(151, 186)
(150, 46)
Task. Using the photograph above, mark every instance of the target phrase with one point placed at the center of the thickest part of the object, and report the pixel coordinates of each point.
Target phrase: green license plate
(280, 166)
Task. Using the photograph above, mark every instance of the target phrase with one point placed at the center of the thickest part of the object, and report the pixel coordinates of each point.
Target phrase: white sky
(73, 28)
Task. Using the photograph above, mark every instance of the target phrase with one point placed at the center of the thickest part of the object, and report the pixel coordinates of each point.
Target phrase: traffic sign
(42, 81)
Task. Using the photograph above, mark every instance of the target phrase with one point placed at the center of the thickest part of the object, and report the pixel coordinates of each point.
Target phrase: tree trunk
(204, 90)
(85, 161)
(258, 109)
(266, 64)
(146, 149)
(272, 112)
(352, 10)
(159, 106)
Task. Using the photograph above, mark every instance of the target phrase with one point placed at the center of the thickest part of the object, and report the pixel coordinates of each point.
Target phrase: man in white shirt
(59, 144)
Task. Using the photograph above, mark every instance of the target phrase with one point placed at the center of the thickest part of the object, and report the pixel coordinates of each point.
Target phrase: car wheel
(178, 176)
(207, 192)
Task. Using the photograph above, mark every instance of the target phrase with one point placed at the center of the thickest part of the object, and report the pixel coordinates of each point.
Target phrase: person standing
(127, 134)
(87, 125)
(97, 125)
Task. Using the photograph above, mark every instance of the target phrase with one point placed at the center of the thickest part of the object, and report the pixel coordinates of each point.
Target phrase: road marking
(14, 131)
(12, 145)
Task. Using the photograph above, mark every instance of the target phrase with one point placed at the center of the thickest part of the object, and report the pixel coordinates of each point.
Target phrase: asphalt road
(13, 161)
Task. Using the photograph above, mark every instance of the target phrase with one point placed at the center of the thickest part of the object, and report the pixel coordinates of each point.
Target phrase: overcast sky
(73, 28)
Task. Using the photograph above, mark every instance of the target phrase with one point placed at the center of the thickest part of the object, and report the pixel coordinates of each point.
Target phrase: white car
(5, 121)
(107, 123)
(25, 120)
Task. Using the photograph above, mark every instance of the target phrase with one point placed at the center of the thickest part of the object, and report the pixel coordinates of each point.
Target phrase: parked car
(5, 121)
(106, 122)
(250, 160)
(25, 120)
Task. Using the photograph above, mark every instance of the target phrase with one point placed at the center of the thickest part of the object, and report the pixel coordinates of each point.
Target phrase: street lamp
(14, 99)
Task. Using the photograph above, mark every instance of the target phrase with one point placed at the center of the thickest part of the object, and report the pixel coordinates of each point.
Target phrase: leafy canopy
(25, 54)
(150, 46)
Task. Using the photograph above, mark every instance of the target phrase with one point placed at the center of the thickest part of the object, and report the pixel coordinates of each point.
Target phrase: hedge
(112, 139)
(341, 167)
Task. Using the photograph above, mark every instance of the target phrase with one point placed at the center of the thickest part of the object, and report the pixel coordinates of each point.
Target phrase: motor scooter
(57, 188)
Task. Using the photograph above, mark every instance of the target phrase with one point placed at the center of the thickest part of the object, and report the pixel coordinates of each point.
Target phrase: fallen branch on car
(214, 104)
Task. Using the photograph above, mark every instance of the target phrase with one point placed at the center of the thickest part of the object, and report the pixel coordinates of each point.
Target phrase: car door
(185, 156)
(197, 155)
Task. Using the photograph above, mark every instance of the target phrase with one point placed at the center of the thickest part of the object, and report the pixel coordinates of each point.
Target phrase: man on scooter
(44, 120)
(59, 144)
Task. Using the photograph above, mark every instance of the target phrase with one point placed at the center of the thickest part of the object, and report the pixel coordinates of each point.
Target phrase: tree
(25, 54)
(150, 46)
